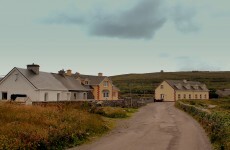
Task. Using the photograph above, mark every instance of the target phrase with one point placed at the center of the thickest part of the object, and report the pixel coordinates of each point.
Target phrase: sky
(115, 37)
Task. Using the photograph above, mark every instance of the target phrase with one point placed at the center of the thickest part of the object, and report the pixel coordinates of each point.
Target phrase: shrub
(35, 127)
(216, 124)
(111, 112)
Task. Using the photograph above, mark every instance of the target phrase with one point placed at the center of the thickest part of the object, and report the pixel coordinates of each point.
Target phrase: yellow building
(101, 87)
(173, 90)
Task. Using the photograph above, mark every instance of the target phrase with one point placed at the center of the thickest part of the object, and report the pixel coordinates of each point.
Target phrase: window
(184, 96)
(162, 86)
(85, 96)
(205, 97)
(195, 96)
(46, 97)
(58, 96)
(190, 96)
(86, 82)
(4, 95)
(75, 96)
(200, 96)
(178, 96)
(106, 94)
(106, 83)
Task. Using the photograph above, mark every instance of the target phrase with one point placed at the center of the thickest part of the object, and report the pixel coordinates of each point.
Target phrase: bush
(216, 124)
(35, 127)
(111, 112)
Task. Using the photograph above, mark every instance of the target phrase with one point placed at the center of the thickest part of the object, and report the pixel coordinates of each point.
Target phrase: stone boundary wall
(130, 103)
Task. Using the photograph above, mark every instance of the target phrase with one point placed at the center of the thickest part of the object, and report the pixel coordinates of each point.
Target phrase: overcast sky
(115, 37)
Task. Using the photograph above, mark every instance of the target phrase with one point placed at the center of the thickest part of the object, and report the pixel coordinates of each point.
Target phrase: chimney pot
(100, 74)
(69, 72)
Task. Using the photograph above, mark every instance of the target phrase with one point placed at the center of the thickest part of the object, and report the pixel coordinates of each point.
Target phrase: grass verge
(35, 127)
(214, 116)
(114, 112)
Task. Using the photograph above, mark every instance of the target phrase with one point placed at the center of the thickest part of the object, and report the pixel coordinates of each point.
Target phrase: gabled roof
(42, 81)
(93, 80)
(187, 85)
(70, 82)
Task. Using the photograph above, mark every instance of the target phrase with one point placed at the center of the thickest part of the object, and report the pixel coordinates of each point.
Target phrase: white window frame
(106, 83)
(106, 94)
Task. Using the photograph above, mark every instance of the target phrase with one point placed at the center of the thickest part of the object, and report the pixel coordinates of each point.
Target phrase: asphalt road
(157, 126)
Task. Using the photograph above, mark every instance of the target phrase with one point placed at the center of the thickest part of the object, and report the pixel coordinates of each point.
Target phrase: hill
(140, 84)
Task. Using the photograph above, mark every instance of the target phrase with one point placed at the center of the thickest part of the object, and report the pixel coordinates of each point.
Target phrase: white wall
(52, 95)
(79, 96)
(17, 84)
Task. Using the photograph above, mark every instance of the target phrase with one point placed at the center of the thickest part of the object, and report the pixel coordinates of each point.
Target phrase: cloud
(186, 63)
(164, 55)
(184, 18)
(140, 21)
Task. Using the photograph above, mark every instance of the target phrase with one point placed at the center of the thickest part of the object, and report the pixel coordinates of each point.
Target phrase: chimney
(77, 74)
(100, 74)
(69, 72)
(34, 68)
(61, 72)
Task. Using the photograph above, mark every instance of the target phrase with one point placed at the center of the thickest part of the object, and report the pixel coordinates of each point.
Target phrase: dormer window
(106, 84)
(195, 87)
(86, 82)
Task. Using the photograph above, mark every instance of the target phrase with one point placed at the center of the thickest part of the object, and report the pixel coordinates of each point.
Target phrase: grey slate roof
(70, 82)
(187, 85)
(94, 80)
(42, 81)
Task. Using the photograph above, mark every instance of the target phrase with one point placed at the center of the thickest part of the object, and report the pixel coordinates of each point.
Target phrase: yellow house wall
(167, 90)
(193, 95)
(109, 88)
(101, 88)
(116, 96)
(95, 93)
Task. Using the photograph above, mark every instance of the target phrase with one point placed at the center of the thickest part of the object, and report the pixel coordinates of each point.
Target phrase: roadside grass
(55, 126)
(35, 127)
(214, 116)
(115, 112)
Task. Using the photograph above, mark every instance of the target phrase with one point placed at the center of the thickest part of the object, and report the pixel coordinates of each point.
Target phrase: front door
(162, 96)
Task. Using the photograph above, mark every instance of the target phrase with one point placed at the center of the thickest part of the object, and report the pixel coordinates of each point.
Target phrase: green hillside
(146, 83)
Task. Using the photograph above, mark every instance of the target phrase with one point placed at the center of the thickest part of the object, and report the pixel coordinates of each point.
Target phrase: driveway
(157, 126)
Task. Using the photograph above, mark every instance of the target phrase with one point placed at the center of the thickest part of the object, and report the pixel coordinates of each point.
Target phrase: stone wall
(128, 103)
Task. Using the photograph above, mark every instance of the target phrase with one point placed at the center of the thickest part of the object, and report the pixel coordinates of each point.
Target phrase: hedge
(216, 124)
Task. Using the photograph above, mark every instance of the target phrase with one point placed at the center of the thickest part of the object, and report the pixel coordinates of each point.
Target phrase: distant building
(101, 87)
(41, 86)
(223, 93)
(173, 90)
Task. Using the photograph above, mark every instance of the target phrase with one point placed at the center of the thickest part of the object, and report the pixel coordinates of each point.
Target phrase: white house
(40, 86)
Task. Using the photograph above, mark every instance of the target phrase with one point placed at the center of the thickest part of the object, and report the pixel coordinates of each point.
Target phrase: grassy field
(141, 84)
(214, 116)
(36, 127)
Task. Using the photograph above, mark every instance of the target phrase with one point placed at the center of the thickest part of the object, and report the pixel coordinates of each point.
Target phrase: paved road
(157, 126)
